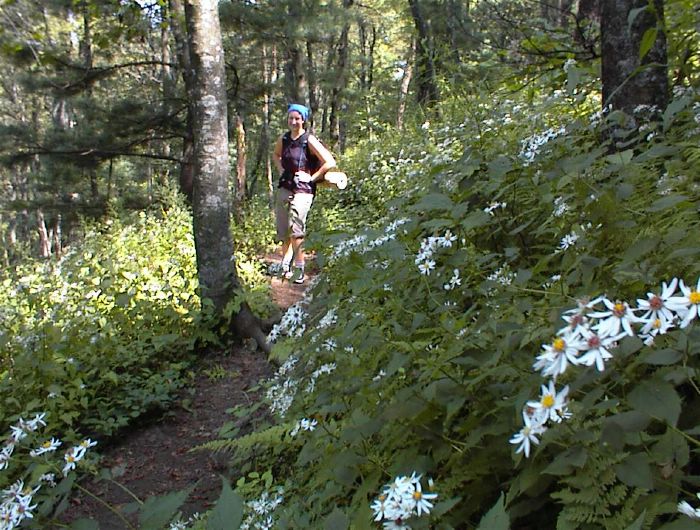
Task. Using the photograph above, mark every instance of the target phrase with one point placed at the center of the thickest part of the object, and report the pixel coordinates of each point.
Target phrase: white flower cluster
(560, 207)
(593, 330)
(402, 499)
(453, 282)
(304, 424)
(281, 392)
(260, 516)
(323, 369)
(328, 319)
(16, 504)
(685, 508)
(495, 206)
(292, 323)
(531, 145)
(424, 260)
(503, 276)
(361, 243)
(181, 524)
(75, 454)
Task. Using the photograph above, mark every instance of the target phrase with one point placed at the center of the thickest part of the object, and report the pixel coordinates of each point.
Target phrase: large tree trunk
(313, 84)
(294, 80)
(425, 65)
(627, 80)
(216, 269)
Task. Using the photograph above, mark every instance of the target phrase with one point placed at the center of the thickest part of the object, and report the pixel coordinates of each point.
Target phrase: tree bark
(405, 83)
(427, 94)
(216, 269)
(177, 21)
(628, 81)
(240, 163)
(294, 80)
(44, 242)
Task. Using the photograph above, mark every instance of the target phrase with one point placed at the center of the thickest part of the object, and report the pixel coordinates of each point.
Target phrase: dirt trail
(154, 459)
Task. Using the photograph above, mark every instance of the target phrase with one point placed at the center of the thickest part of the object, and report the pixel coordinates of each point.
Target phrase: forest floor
(154, 459)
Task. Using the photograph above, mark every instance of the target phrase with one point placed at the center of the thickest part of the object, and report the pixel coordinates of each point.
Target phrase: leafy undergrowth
(94, 341)
(435, 336)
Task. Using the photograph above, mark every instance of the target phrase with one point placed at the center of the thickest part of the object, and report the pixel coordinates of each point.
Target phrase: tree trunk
(216, 269)
(313, 85)
(240, 163)
(268, 73)
(294, 80)
(44, 242)
(427, 94)
(628, 81)
(405, 83)
(177, 20)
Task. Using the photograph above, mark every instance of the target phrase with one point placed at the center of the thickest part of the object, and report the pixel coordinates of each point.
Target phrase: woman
(301, 160)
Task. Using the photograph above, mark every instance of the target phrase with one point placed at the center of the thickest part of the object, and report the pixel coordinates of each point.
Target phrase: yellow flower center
(70, 459)
(46, 444)
(656, 324)
(694, 297)
(417, 495)
(548, 401)
(559, 344)
(618, 309)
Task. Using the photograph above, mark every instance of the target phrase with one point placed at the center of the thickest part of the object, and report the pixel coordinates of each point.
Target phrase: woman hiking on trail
(301, 160)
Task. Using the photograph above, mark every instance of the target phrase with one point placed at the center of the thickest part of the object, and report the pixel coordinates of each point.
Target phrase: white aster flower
(557, 356)
(659, 307)
(47, 447)
(689, 303)
(686, 509)
(596, 351)
(552, 405)
(528, 434)
(426, 266)
(617, 321)
(421, 501)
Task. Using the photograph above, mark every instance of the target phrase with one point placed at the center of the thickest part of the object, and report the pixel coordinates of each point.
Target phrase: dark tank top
(296, 156)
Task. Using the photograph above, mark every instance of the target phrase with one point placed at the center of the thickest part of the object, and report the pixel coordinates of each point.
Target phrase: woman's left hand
(302, 176)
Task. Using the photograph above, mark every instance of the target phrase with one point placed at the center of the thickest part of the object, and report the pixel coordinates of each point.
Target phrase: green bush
(416, 351)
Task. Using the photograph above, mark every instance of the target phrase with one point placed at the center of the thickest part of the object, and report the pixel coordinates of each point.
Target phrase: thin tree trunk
(405, 83)
(56, 236)
(268, 73)
(313, 86)
(177, 21)
(44, 242)
(240, 164)
(216, 269)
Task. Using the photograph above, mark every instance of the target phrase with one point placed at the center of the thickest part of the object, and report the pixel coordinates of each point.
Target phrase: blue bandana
(301, 109)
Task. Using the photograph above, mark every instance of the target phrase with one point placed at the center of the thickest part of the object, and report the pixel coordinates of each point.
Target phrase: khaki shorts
(291, 210)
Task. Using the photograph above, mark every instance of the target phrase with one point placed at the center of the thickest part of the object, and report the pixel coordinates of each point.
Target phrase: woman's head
(297, 114)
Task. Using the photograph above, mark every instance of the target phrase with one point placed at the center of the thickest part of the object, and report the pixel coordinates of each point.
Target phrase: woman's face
(294, 120)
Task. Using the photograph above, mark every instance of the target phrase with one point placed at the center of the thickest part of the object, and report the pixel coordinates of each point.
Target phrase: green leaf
(638, 523)
(500, 166)
(156, 512)
(84, 524)
(684, 523)
(658, 399)
(635, 471)
(337, 520)
(664, 203)
(663, 357)
(565, 462)
(648, 40)
(496, 518)
(434, 201)
(228, 511)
